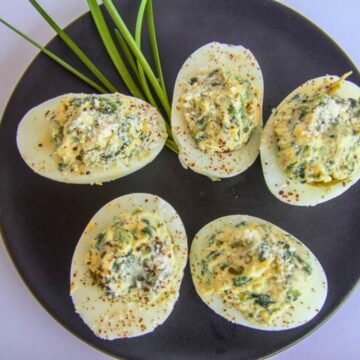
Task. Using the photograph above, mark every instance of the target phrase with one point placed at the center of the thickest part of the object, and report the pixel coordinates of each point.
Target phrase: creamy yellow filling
(255, 269)
(318, 136)
(133, 258)
(221, 110)
(94, 132)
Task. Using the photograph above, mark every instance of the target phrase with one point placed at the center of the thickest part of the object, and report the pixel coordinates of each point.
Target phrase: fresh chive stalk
(137, 53)
(138, 29)
(111, 48)
(56, 58)
(156, 56)
(153, 44)
(75, 49)
(128, 55)
(131, 48)
(142, 77)
(172, 145)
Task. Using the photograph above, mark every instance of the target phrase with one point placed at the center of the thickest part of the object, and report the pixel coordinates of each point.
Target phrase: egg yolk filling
(255, 269)
(318, 137)
(221, 110)
(133, 258)
(93, 132)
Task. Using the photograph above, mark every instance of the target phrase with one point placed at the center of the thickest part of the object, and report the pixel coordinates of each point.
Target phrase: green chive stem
(111, 48)
(72, 45)
(128, 55)
(153, 44)
(137, 53)
(56, 58)
(138, 29)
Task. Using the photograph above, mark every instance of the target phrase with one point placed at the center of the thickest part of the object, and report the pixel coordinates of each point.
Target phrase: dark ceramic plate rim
(23, 278)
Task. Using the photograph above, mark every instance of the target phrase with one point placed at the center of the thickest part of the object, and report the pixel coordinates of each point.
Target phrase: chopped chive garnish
(240, 280)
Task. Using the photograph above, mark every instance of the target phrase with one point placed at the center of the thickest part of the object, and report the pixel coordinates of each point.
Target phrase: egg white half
(291, 191)
(117, 319)
(313, 295)
(241, 62)
(34, 129)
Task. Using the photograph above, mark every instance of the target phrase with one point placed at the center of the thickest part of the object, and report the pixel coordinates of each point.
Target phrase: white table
(27, 331)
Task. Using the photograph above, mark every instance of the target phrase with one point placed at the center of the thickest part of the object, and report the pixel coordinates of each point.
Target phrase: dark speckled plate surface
(41, 220)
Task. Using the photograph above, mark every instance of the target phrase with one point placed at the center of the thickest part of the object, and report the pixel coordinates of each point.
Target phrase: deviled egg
(128, 265)
(86, 139)
(255, 274)
(310, 147)
(217, 110)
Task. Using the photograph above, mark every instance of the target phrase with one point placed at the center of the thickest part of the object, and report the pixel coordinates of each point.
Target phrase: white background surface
(27, 331)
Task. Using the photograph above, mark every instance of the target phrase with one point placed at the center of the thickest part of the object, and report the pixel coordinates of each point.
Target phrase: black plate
(41, 220)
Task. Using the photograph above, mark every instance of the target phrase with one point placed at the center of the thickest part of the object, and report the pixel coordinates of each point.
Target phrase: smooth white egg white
(313, 294)
(36, 147)
(230, 58)
(118, 319)
(288, 190)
